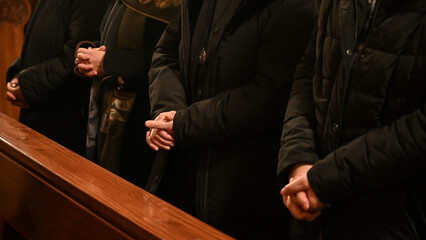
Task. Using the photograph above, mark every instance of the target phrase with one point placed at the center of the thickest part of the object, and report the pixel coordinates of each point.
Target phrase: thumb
(294, 187)
(102, 48)
(10, 96)
(155, 124)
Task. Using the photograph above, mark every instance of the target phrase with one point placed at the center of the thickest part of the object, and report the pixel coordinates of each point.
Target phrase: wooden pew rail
(49, 192)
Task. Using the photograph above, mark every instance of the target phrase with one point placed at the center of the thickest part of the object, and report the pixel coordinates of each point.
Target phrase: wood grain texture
(40, 211)
(80, 194)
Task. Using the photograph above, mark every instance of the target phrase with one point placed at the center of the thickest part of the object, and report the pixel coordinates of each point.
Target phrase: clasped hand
(14, 93)
(89, 61)
(299, 197)
(160, 134)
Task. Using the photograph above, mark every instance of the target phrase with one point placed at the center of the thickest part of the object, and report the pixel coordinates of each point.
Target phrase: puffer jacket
(227, 124)
(357, 111)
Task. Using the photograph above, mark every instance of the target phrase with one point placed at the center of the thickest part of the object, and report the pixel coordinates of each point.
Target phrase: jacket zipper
(409, 219)
(412, 225)
(204, 214)
(185, 34)
(226, 25)
(354, 63)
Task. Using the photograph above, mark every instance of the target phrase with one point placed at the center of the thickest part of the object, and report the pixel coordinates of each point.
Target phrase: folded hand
(160, 134)
(299, 197)
(14, 93)
(90, 61)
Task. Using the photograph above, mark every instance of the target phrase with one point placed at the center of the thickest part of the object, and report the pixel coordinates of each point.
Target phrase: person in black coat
(119, 100)
(223, 69)
(41, 81)
(354, 137)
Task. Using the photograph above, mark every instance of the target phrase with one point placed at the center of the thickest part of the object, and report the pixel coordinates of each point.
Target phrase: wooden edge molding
(92, 190)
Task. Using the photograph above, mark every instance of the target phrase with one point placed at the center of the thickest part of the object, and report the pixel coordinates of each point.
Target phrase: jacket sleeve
(13, 69)
(50, 79)
(298, 139)
(258, 107)
(382, 157)
(166, 89)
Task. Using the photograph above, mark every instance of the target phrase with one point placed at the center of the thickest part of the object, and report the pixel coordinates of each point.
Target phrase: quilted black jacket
(357, 111)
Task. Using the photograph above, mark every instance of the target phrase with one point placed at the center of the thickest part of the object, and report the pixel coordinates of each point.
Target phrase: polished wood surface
(14, 14)
(49, 192)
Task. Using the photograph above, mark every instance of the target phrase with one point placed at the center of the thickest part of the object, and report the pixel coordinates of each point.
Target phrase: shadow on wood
(49, 192)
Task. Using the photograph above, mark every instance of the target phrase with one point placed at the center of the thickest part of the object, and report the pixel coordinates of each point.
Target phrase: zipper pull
(203, 56)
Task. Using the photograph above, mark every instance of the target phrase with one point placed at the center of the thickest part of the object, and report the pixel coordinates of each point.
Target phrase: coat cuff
(178, 126)
(326, 180)
(13, 69)
(11, 72)
(27, 87)
(287, 164)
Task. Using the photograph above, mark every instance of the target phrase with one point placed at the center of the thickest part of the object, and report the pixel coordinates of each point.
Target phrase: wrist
(299, 169)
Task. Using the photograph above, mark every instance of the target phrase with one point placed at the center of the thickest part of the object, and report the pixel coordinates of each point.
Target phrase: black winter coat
(58, 99)
(117, 143)
(223, 167)
(357, 111)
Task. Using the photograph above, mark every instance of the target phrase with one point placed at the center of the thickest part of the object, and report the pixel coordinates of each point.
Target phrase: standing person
(354, 137)
(228, 68)
(119, 100)
(41, 81)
